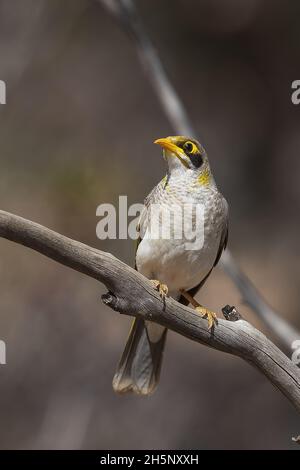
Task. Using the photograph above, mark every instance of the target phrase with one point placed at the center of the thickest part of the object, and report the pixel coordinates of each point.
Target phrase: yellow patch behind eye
(204, 178)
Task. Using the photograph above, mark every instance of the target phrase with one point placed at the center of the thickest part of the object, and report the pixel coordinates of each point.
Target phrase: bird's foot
(161, 288)
(212, 318)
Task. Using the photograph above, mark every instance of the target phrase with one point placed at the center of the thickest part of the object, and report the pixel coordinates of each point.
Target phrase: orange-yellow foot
(161, 288)
(212, 318)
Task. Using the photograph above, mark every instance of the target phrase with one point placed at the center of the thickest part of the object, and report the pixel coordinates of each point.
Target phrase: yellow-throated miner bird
(176, 267)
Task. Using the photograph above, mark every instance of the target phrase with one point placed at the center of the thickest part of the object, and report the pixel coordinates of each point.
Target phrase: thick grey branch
(125, 12)
(132, 294)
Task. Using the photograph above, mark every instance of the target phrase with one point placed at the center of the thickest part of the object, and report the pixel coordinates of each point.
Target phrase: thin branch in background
(125, 12)
(250, 295)
(131, 293)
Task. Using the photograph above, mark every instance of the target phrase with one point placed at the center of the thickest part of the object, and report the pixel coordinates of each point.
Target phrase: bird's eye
(189, 147)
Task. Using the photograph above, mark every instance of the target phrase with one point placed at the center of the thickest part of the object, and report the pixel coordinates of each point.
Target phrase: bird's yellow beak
(167, 144)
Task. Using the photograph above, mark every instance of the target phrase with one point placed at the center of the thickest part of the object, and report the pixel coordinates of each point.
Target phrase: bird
(175, 267)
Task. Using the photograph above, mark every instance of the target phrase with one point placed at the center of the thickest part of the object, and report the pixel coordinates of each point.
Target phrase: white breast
(171, 262)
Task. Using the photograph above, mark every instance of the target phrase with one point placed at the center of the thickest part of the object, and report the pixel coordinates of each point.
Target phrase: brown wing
(140, 229)
(223, 244)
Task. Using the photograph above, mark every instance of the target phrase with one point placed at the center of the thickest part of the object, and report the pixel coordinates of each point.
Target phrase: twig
(131, 293)
(125, 12)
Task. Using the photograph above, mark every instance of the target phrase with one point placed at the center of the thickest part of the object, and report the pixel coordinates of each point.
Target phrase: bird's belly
(170, 262)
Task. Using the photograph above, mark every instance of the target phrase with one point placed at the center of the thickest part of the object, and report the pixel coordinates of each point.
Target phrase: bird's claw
(212, 318)
(161, 288)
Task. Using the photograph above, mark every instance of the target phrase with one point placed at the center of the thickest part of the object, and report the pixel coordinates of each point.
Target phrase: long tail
(139, 368)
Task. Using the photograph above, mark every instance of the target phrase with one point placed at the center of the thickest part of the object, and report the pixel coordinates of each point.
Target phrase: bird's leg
(212, 318)
(162, 288)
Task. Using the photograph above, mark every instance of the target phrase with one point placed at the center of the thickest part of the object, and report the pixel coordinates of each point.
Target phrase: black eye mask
(196, 159)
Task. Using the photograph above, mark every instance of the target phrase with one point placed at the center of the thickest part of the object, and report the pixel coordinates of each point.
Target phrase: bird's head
(184, 154)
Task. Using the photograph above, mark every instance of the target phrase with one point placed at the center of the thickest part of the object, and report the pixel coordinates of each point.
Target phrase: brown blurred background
(77, 130)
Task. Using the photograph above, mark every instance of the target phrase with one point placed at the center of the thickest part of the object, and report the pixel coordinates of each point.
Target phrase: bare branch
(281, 328)
(131, 293)
(126, 14)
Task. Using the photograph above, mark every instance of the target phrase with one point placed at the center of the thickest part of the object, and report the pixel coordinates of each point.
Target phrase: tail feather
(139, 368)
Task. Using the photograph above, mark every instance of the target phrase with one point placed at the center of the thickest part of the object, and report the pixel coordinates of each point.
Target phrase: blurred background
(77, 131)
